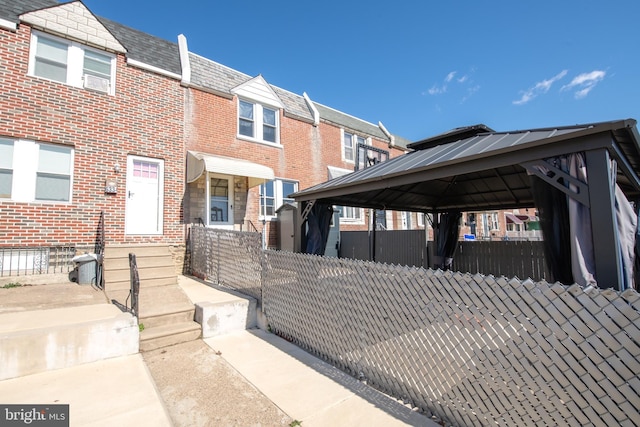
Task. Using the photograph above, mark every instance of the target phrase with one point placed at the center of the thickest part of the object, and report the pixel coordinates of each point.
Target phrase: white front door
(144, 206)
(220, 196)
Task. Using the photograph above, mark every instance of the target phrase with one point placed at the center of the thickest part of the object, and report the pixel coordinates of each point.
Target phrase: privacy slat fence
(513, 258)
(470, 350)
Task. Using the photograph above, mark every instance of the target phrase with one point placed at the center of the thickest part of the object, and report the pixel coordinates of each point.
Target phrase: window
(273, 194)
(258, 122)
(349, 145)
(6, 167)
(494, 221)
(71, 63)
(219, 193)
(350, 214)
(31, 171)
(53, 179)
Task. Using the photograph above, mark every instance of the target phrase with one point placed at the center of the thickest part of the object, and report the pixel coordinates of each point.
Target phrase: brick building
(92, 121)
(98, 118)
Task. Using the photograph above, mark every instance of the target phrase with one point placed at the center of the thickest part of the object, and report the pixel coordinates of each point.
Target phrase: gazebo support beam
(603, 219)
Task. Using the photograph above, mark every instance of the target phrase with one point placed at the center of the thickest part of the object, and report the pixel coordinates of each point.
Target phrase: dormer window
(71, 63)
(258, 122)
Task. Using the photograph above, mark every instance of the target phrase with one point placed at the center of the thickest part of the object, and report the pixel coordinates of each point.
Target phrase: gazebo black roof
(490, 170)
(483, 171)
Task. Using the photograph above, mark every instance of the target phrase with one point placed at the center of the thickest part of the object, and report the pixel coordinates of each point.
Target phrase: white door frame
(156, 225)
(230, 211)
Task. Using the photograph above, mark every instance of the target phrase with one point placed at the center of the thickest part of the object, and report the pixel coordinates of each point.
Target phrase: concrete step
(111, 285)
(166, 335)
(142, 261)
(182, 316)
(156, 300)
(145, 274)
(122, 251)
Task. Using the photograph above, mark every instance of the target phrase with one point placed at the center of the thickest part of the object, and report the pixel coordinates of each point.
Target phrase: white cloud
(438, 89)
(450, 76)
(583, 83)
(539, 88)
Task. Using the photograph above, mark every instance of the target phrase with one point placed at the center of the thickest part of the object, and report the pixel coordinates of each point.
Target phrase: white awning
(335, 172)
(198, 163)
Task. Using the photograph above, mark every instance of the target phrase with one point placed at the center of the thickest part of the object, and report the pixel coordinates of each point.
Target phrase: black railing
(36, 260)
(134, 291)
(99, 251)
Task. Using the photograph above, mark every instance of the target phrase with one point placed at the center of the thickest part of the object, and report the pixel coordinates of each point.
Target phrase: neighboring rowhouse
(91, 121)
(251, 144)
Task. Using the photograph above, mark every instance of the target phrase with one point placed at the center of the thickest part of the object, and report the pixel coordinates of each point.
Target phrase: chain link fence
(470, 350)
(228, 258)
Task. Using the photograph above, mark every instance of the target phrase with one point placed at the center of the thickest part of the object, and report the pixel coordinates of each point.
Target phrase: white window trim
(351, 219)
(24, 167)
(258, 123)
(278, 197)
(354, 145)
(75, 62)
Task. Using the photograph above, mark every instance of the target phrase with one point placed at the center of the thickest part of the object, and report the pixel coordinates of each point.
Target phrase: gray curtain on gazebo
(447, 231)
(566, 226)
(318, 224)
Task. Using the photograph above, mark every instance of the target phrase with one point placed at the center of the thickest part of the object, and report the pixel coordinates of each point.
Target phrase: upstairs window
(351, 214)
(258, 122)
(71, 63)
(350, 143)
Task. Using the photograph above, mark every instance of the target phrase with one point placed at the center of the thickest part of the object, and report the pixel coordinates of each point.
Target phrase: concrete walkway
(308, 389)
(244, 378)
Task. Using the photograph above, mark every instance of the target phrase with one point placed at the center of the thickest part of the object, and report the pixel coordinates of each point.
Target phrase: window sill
(75, 86)
(259, 141)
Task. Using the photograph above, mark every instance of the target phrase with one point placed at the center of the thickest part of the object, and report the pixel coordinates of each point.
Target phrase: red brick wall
(306, 150)
(145, 117)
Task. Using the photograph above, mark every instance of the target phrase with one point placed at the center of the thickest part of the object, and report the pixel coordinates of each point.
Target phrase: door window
(219, 201)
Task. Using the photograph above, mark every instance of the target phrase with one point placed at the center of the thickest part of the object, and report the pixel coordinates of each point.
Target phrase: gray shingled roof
(12, 9)
(349, 122)
(146, 48)
(140, 46)
(208, 74)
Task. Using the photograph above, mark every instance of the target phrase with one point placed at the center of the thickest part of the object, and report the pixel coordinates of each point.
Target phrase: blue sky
(421, 67)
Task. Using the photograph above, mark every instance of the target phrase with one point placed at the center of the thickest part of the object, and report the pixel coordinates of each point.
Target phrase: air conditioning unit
(96, 83)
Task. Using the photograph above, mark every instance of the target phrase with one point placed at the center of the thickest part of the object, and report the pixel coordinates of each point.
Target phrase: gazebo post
(606, 242)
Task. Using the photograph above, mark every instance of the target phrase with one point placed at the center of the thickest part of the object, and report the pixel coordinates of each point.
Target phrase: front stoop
(166, 315)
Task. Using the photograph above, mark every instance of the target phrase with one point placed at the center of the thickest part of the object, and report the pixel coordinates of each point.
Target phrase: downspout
(314, 110)
(264, 214)
(392, 139)
(184, 60)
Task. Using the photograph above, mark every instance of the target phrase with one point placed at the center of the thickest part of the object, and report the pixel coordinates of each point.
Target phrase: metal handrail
(134, 291)
(99, 251)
